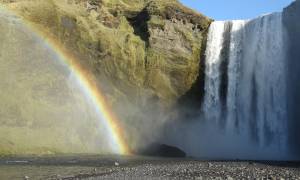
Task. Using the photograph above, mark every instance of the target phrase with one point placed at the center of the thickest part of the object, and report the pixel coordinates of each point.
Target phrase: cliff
(291, 16)
(153, 45)
(144, 53)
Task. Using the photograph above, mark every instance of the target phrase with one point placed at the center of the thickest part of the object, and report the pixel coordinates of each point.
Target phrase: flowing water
(245, 84)
(244, 110)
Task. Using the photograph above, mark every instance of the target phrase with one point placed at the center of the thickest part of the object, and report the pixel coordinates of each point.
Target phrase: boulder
(162, 150)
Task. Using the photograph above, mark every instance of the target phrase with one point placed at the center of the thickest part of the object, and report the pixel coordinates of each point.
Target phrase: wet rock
(291, 21)
(162, 150)
(94, 170)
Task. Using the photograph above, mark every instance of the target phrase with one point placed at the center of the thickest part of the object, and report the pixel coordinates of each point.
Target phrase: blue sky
(236, 9)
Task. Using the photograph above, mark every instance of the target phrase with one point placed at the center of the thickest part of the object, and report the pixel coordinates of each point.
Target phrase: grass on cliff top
(138, 5)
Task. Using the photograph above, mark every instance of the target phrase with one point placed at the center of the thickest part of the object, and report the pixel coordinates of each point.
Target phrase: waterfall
(245, 83)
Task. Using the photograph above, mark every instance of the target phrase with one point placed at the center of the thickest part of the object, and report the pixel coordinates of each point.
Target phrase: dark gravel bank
(112, 167)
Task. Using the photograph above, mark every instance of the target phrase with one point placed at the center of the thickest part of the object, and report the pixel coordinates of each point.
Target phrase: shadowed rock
(291, 16)
(162, 150)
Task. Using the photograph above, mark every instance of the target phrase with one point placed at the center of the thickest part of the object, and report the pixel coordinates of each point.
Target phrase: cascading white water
(245, 84)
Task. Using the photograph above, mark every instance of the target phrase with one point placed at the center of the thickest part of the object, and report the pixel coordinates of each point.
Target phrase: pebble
(229, 178)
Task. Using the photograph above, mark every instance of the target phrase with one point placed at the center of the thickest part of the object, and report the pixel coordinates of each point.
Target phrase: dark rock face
(291, 16)
(140, 26)
(162, 150)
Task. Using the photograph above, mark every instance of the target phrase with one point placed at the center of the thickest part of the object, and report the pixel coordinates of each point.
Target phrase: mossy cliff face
(144, 53)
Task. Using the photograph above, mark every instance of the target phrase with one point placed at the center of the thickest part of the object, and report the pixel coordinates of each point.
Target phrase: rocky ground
(107, 167)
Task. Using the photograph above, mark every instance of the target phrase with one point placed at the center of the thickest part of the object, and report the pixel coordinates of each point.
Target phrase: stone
(162, 150)
(229, 178)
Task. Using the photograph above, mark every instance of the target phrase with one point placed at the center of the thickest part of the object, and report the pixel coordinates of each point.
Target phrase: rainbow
(88, 85)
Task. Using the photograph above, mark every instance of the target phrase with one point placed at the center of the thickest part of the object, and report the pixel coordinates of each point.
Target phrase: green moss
(156, 22)
(132, 70)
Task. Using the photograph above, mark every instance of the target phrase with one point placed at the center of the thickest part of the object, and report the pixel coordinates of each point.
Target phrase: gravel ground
(108, 167)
